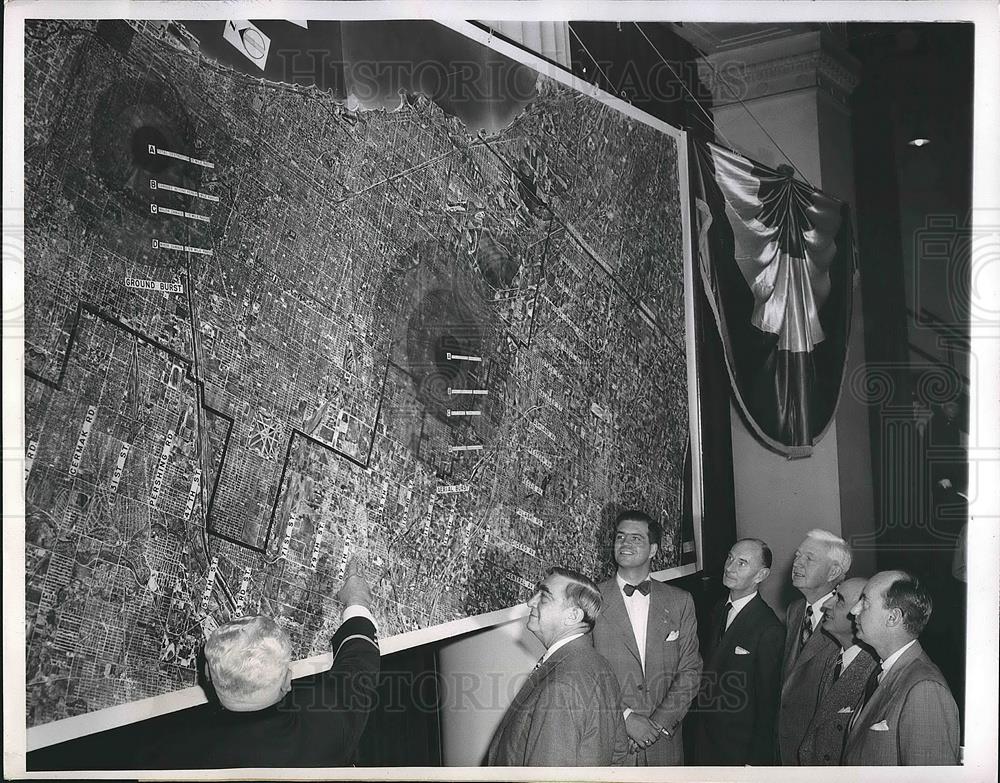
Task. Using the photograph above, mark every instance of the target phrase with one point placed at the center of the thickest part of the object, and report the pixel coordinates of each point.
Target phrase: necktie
(724, 620)
(839, 667)
(807, 627)
(871, 685)
(642, 587)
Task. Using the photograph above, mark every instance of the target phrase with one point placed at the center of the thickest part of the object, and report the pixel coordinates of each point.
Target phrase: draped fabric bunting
(777, 260)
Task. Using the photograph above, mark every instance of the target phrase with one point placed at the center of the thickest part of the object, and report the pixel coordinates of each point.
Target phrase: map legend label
(81, 440)
(156, 209)
(160, 245)
(154, 185)
(154, 150)
(116, 477)
(154, 285)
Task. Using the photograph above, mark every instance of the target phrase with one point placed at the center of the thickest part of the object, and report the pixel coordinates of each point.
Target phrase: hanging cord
(733, 94)
(600, 70)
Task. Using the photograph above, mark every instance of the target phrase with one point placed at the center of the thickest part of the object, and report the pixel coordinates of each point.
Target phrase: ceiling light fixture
(919, 142)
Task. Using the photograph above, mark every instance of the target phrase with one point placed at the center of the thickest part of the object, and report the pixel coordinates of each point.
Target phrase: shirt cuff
(628, 711)
(357, 610)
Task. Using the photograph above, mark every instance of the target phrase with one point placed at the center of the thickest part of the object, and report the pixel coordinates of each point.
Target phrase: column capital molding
(806, 61)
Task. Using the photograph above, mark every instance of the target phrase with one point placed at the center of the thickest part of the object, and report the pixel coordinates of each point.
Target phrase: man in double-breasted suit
(648, 633)
(738, 701)
(821, 561)
(907, 715)
(568, 713)
(843, 680)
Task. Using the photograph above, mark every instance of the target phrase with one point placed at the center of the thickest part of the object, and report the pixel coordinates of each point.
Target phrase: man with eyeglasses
(648, 633)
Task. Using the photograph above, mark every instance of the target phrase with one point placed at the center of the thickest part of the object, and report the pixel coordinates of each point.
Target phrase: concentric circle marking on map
(128, 119)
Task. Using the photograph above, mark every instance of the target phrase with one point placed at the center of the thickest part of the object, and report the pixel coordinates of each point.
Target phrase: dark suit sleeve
(928, 726)
(347, 690)
(767, 690)
(684, 687)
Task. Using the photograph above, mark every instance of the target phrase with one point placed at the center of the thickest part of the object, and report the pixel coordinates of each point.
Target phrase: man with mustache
(843, 680)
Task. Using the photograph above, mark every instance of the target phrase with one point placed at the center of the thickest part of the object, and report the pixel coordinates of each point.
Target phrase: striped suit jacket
(823, 743)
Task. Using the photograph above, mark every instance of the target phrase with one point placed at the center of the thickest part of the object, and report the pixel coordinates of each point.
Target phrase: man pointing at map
(265, 720)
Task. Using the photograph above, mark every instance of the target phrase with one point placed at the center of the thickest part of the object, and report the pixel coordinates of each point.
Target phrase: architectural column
(779, 101)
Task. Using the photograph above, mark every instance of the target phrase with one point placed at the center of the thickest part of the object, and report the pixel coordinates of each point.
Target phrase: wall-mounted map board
(265, 333)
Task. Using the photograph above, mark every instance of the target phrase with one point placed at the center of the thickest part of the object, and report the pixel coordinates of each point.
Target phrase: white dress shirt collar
(888, 662)
(847, 655)
(564, 641)
(737, 606)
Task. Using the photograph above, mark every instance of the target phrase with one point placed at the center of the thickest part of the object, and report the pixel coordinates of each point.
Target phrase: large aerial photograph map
(268, 331)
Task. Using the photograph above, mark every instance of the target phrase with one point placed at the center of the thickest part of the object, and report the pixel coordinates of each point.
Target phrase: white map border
(980, 748)
(132, 712)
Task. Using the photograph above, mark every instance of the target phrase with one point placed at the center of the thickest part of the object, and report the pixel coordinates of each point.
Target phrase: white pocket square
(740, 651)
(880, 726)
(845, 709)
(672, 636)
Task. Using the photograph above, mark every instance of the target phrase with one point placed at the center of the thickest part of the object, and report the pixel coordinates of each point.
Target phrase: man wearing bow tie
(820, 563)
(648, 633)
(738, 702)
(907, 715)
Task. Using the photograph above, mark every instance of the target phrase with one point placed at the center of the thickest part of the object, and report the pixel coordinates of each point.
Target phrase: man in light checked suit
(648, 633)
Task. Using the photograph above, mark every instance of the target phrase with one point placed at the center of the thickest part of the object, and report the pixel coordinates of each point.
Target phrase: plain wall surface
(479, 676)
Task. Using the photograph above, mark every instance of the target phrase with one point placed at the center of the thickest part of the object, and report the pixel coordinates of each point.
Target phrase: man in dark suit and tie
(648, 633)
(907, 715)
(738, 702)
(821, 561)
(843, 681)
(263, 719)
(568, 713)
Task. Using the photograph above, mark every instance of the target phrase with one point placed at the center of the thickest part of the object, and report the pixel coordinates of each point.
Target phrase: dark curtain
(776, 258)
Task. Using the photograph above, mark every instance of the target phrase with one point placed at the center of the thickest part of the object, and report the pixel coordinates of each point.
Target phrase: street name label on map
(161, 469)
(29, 457)
(116, 477)
(81, 440)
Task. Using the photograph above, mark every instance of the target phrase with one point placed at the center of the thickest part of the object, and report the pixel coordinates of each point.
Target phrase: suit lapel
(658, 619)
(876, 705)
(616, 612)
(742, 620)
(793, 634)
